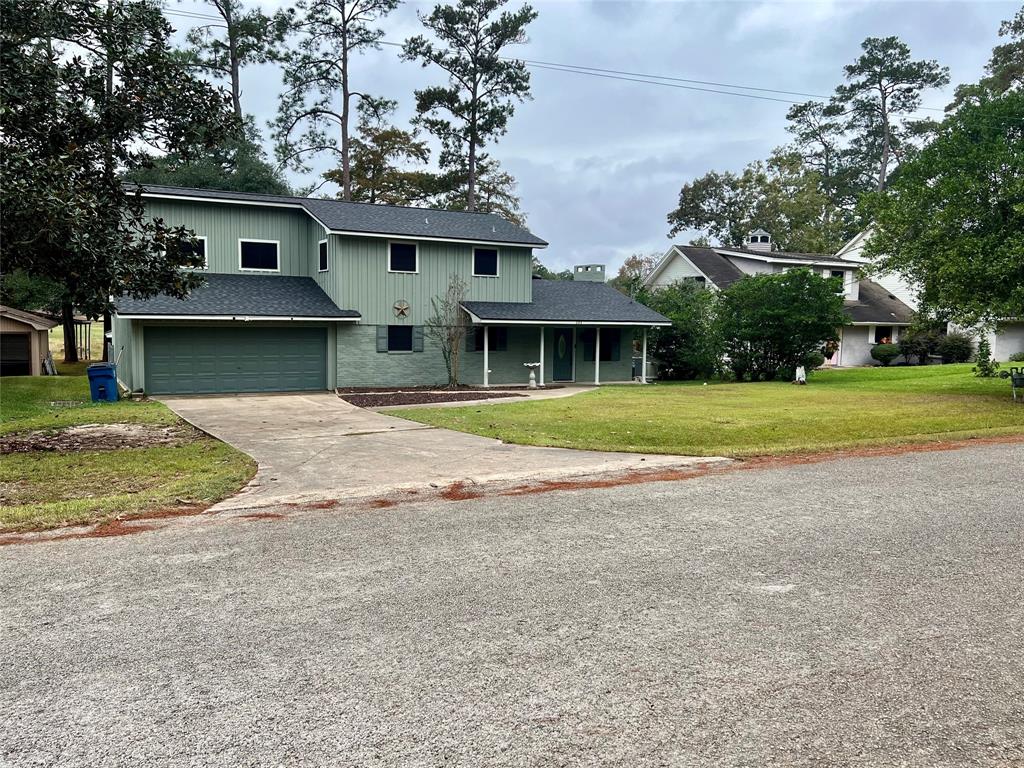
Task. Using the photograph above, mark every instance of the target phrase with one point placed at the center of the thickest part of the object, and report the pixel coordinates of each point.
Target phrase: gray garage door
(15, 354)
(197, 360)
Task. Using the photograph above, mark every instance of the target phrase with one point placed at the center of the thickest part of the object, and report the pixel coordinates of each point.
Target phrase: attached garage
(212, 359)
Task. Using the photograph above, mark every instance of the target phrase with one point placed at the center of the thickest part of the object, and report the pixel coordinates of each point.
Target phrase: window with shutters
(485, 262)
(258, 255)
(403, 257)
(399, 338)
(497, 340)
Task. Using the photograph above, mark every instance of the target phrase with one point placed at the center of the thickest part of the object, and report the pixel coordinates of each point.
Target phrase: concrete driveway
(313, 447)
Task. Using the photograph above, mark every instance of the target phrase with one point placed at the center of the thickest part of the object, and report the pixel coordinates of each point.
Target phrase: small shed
(24, 341)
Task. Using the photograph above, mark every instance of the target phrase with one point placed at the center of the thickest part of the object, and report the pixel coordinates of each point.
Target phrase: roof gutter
(477, 320)
(241, 318)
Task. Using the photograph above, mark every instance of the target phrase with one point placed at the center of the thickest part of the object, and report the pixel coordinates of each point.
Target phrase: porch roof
(567, 302)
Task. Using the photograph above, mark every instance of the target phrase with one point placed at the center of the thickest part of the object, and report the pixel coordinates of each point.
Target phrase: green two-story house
(313, 294)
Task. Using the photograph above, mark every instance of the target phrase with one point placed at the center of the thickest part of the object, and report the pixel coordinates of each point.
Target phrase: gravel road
(857, 612)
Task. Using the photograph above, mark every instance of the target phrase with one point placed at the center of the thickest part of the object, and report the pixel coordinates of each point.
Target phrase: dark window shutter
(382, 338)
(417, 338)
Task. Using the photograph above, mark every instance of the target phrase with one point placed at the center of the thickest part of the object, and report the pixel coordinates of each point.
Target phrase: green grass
(44, 490)
(838, 409)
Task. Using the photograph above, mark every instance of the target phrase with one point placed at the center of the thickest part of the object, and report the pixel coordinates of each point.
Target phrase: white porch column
(643, 360)
(597, 355)
(541, 369)
(487, 361)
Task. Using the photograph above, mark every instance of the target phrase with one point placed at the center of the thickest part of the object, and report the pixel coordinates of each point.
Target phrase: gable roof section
(36, 320)
(368, 219)
(242, 296)
(716, 267)
(876, 305)
(568, 302)
(818, 259)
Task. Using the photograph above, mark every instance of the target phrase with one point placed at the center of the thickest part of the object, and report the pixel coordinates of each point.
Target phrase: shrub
(885, 353)
(984, 366)
(813, 360)
(919, 343)
(692, 347)
(770, 323)
(1017, 357)
(955, 348)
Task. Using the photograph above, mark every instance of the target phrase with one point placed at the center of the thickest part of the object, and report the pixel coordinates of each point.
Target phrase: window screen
(322, 266)
(257, 255)
(399, 338)
(402, 257)
(485, 262)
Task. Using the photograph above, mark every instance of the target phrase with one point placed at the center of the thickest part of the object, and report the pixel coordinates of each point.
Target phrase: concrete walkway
(314, 447)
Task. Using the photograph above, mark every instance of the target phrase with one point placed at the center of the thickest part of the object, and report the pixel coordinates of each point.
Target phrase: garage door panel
(194, 360)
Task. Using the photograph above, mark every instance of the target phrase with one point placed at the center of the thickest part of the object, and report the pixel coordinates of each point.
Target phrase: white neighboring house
(876, 312)
(1005, 340)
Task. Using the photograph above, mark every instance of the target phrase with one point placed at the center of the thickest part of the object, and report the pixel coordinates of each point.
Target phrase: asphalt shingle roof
(569, 301)
(874, 304)
(243, 296)
(342, 216)
(718, 268)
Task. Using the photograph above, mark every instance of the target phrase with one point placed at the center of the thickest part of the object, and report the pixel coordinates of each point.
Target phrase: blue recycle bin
(103, 382)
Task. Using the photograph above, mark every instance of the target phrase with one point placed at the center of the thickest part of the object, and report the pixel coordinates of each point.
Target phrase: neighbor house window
(883, 334)
(198, 249)
(399, 338)
(497, 339)
(322, 263)
(403, 257)
(258, 255)
(485, 262)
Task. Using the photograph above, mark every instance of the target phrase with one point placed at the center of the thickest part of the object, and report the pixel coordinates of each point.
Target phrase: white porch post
(487, 361)
(597, 355)
(541, 370)
(643, 360)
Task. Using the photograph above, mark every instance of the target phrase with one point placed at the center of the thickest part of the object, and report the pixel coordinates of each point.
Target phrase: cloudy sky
(600, 161)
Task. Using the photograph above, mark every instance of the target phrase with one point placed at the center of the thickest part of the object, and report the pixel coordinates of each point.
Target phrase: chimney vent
(593, 273)
(758, 240)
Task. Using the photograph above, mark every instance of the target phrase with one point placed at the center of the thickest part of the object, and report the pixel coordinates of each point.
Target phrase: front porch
(497, 354)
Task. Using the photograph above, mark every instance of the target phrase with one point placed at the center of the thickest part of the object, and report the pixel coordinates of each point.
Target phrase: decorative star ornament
(401, 308)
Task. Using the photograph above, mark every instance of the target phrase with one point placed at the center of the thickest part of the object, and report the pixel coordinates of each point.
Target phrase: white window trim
(206, 251)
(257, 240)
(497, 263)
(328, 269)
(415, 245)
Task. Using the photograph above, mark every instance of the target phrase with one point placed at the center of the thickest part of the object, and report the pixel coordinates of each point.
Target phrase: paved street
(854, 612)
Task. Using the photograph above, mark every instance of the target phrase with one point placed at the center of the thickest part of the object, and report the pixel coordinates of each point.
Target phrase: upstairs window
(258, 255)
(403, 257)
(199, 249)
(485, 262)
(322, 263)
(841, 274)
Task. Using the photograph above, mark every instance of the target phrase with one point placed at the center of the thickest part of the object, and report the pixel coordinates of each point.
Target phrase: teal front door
(208, 359)
(562, 364)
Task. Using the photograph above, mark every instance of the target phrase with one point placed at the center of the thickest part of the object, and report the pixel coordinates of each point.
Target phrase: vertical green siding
(359, 279)
(223, 224)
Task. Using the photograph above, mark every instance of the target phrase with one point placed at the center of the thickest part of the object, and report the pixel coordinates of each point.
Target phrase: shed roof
(36, 320)
(571, 302)
(236, 296)
(368, 218)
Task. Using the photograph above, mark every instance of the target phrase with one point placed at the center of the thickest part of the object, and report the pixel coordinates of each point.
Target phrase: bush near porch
(838, 409)
(45, 489)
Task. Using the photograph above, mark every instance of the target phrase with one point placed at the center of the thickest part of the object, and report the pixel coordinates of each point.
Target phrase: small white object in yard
(532, 384)
(801, 375)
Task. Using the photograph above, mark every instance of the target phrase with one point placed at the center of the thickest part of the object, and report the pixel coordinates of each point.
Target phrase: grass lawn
(44, 489)
(838, 409)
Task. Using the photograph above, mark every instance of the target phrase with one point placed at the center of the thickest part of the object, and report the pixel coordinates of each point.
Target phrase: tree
(21, 290)
(772, 323)
(542, 272)
(380, 153)
(495, 191)
(478, 100)
(952, 221)
(317, 96)
(447, 325)
(83, 86)
(246, 37)
(236, 165)
(1005, 69)
(634, 269)
(692, 347)
(883, 89)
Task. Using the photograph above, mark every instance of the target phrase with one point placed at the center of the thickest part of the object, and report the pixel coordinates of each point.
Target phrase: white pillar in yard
(643, 360)
(541, 382)
(487, 360)
(597, 355)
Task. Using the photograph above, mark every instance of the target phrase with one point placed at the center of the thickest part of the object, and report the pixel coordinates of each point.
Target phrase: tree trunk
(106, 329)
(236, 84)
(883, 166)
(67, 316)
(346, 170)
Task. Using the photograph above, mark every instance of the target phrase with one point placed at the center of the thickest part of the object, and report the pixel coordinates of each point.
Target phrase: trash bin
(103, 382)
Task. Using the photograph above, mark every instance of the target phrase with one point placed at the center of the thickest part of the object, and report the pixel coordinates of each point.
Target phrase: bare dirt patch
(98, 437)
(380, 399)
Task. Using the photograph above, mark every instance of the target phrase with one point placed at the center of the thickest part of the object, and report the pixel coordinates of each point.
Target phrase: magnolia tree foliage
(773, 323)
(478, 100)
(952, 220)
(83, 88)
